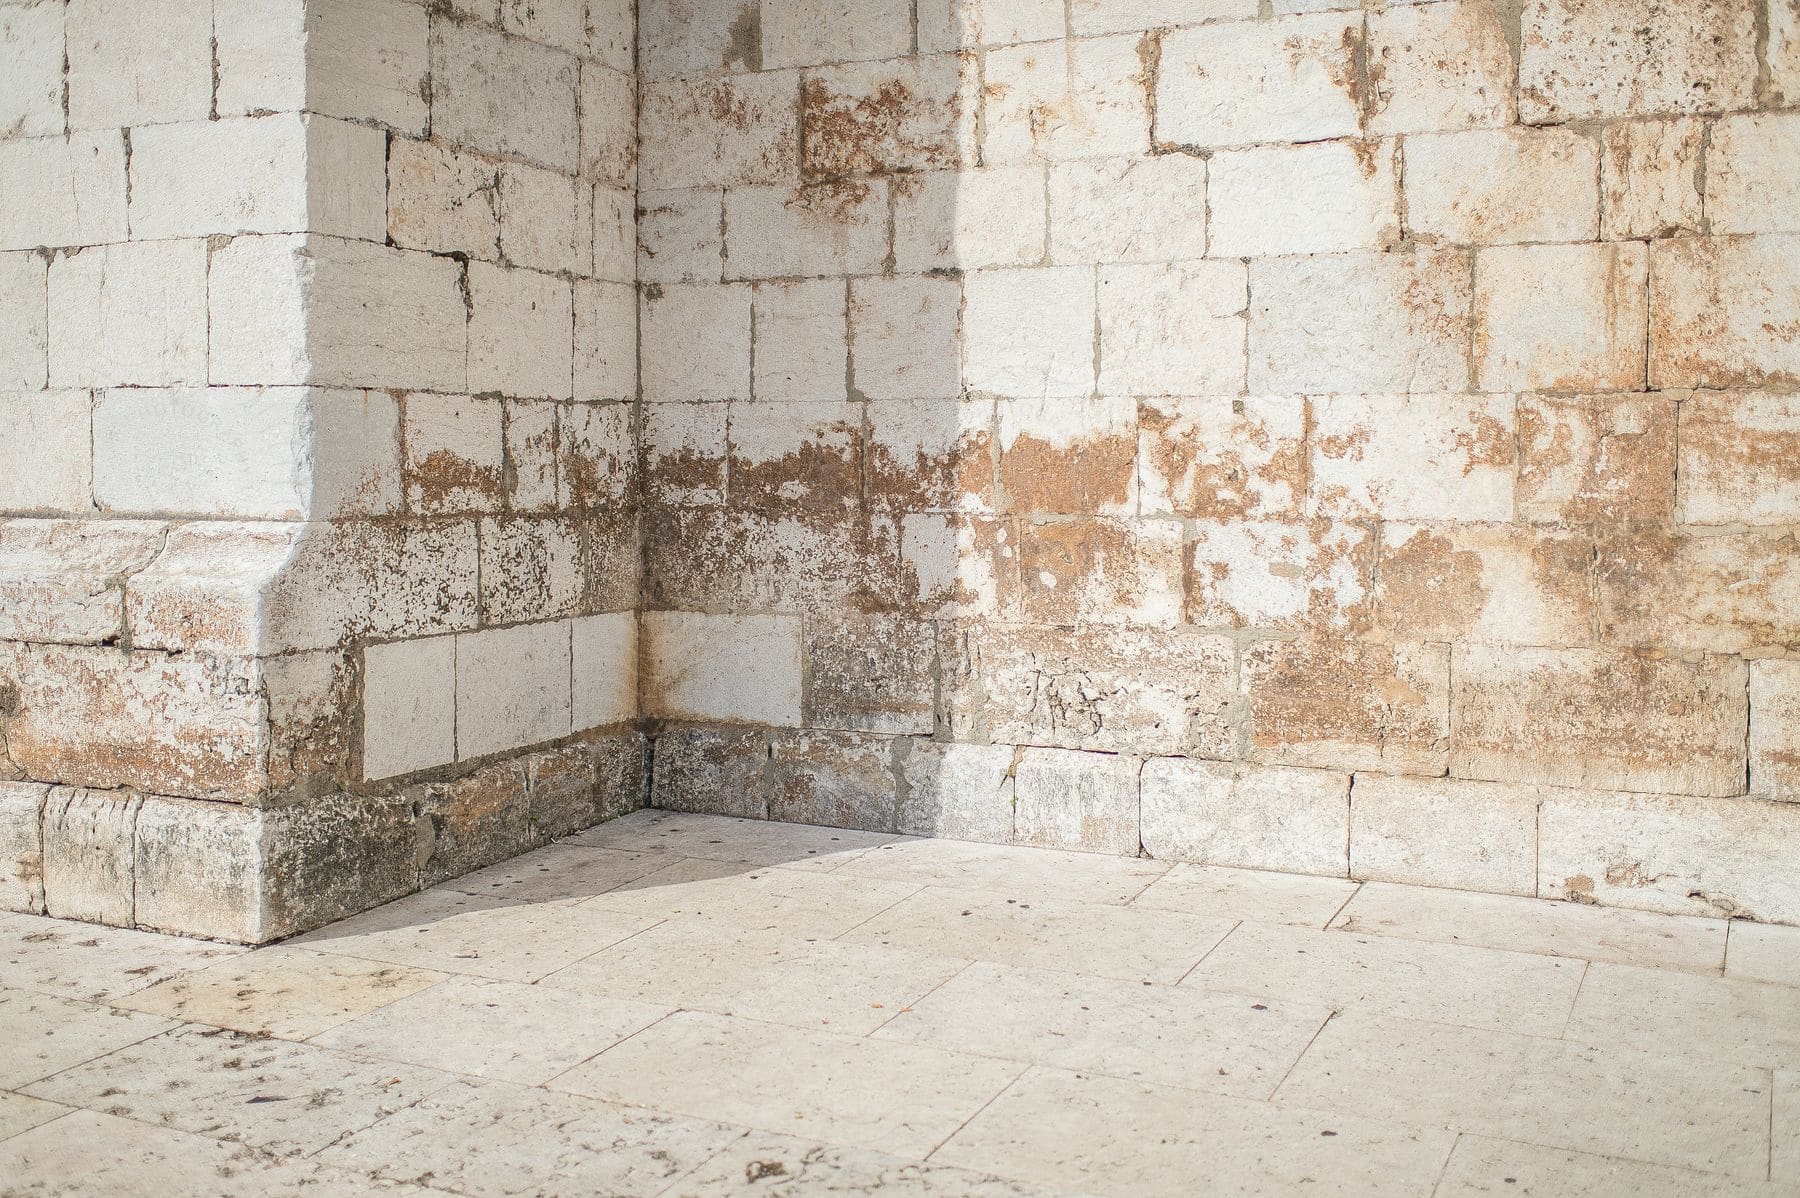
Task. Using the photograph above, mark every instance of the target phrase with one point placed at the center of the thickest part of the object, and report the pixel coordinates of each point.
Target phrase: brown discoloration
(1725, 594)
(1100, 571)
(712, 771)
(1596, 458)
(839, 779)
(712, 559)
(954, 470)
(1492, 582)
(1076, 477)
(1349, 704)
(599, 462)
(870, 674)
(1223, 459)
(959, 565)
(476, 820)
(882, 119)
(743, 44)
(1740, 459)
(445, 482)
(798, 455)
(1311, 576)
(1725, 312)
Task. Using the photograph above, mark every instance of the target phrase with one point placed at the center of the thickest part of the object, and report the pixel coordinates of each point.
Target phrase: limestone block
(368, 60)
(674, 320)
(1440, 832)
(1491, 582)
(1101, 572)
(1493, 186)
(1253, 817)
(1781, 50)
(801, 341)
(545, 220)
(606, 341)
(203, 451)
(1582, 717)
(1029, 333)
(1561, 317)
(958, 791)
(531, 568)
(1650, 178)
(604, 663)
(340, 854)
(61, 580)
(1360, 322)
(804, 455)
(1286, 576)
(559, 23)
(612, 33)
(961, 565)
(683, 449)
(1720, 311)
(720, 130)
(771, 560)
(1677, 855)
(1417, 457)
(207, 589)
(1349, 705)
(832, 228)
(1069, 800)
(1087, 17)
(88, 855)
(31, 71)
(1311, 199)
(615, 235)
(521, 333)
(1240, 82)
(1752, 171)
(442, 200)
(915, 114)
(1128, 209)
(409, 706)
(870, 674)
(1222, 458)
(260, 54)
(391, 579)
(597, 462)
(1775, 729)
(531, 440)
(1634, 57)
(906, 334)
(130, 314)
(608, 125)
(508, 691)
(22, 846)
(1438, 66)
(24, 320)
(454, 454)
(712, 771)
(1737, 593)
(46, 459)
(57, 191)
(838, 779)
(504, 96)
(804, 33)
(1596, 458)
(954, 24)
(1054, 101)
(1069, 456)
(202, 869)
(736, 668)
(930, 454)
(476, 820)
(591, 781)
(1174, 328)
(970, 220)
(1740, 458)
(680, 36)
(680, 235)
(310, 698)
(138, 62)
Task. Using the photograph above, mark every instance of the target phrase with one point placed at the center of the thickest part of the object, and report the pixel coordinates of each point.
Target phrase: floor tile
(270, 1094)
(1020, 873)
(1170, 1035)
(681, 963)
(774, 1166)
(19, 1113)
(858, 1092)
(489, 1138)
(1784, 1128)
(292, 993)
(1561, 1094)
(1717, 1019)
(100, 1156)
(503, 1030)
(848, 988)
(1247, 894)
(1445, 983)
(94, 963)
(1527, 925)
(559, 871)
(482, 937)
(718, 838)
(41, 1034)
(1480, 1166)
(1096, 938)
(785, 900)
(1763, 952)
(1120, 1137)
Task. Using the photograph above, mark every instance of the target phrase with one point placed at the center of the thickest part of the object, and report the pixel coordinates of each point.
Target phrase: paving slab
(41, 1034)
(1251, 894)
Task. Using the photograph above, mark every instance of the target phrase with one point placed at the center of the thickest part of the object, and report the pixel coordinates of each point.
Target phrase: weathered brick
(201, 869)
(1298, 577)
(1413, 457)
(1069, 800)
(1649, 178)
(1781, 50)
(1494, 582)
(366, 60)
(1634, 57)
(1596, 457)
(1443, 832)
(1247, 816)
(952, 24)
(1088, 17)
(839, 779)
(1223, 458)
(1490, 187)
(771, 560)
(677, 36)
(597, 461)
(606, 341)
(1310, 199)
(1740, 458)
(1058, 100)
(1349, 705)
(1236, 83)
(1724, 594)
(559, 23)
(1723, 312)
(1175, 328)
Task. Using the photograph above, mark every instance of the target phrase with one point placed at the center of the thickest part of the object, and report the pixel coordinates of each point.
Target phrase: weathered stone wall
(1357, 439)
(317, 489)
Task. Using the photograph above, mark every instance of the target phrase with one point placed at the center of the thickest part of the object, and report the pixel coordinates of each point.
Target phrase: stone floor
(682, 1005)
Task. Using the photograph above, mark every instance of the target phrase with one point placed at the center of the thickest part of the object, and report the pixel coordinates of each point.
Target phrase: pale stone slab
(849, 988)
(1063, 1128)
(753, 842)
(1163, 1035)
(1531, 925)
(31, 95)
(1019, 872)
(1250, 817)
(1061, 100)
(1107, 941)
(1714, 1019)
(41, 1035)
(720, 130)
(409, 706)
(1491, 187)
(858, 1092)
(1030, 333)
(722, 667)
(46, 464)
(1172, 328)
(972, 219)
(801, 902)
(1247, 894)
(685, 963)
(1763, 952)
(1752, 171)
(834, 228)
(1480, 1166)
(138, 62)
(1128, 209)
(603, 668)
(1069, 800)
(1738, 458)
(1308, 199)
(1442, 983)
(24, 316)
(502, 701)
(288, 993)
(130, 314)
(543, 1031)
(503, 95)
(1557, 1093)
(1562, 317)
(95, 964)
(1437, 66)
(58, 191)
(521, 333)
(1784, 1155)
(957, 790)
(561, 871)
(19, 1113)
(1624, 59)
(1442, 832)
(811, 32)
(786, 1167)
(1236, 83)
(1717, 306)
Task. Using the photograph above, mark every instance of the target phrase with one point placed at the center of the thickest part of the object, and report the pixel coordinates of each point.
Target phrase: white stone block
(1247, 816)
(204, 869)
(260, 48)
(501, 95)
(521, 333)
(1753, 174)
(800, 335)
(58, 191)
(139, 62)
(1489, 187)
(1311, 199)
(906, 337)
(1413, 457)
(559, 23)
(1089, 17)
(740, 669)
(1562, 317)
(1439, 66)
(1176, 328)
(22, 846)
(1443, 832)
(615, 235)
(24, 321)
(46, 461)
(60, 580)
(956, 24)
(545, 220)
(834, 228)
(203, 452)
(959, 791)
(260, 295)
(1052, 101)
(442, 199)
(605, 661)
(1128, 209)
(512, 688)
(805, 33)
(454, 453)
(606, 341)
(1064, 799)
(31, 70)
(355, 470)
(409, 706)
(970, 220)
(608, 126)
(88, 855)
(1240, 82)
(1651, 177)
(720, 131)
(129, 314)
(612, 33)
(681, 235)
(1030, 333)
(679, 317)
(1738, 455)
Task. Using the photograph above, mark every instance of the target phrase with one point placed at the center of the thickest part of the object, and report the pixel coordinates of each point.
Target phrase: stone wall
(318, 540)
(1351, 439)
